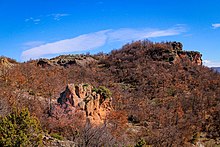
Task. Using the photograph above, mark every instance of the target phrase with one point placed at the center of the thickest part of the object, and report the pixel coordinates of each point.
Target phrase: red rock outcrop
(83, 99)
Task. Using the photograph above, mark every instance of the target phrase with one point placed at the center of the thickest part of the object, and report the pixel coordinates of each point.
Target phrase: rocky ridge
(67, 60)
(171, 52)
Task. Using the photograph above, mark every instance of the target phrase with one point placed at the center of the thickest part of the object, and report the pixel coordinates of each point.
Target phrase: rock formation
(192, 56)
(173, 53)
(176, 45)
(67, 60)
(92, 102)
(4, 62)
(44, 63)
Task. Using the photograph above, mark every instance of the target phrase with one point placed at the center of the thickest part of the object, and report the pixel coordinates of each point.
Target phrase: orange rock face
(82, 99)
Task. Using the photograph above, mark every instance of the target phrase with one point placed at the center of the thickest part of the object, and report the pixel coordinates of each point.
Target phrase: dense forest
(160, 96)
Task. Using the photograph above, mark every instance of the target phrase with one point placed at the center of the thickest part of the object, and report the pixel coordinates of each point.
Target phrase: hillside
(156, 93)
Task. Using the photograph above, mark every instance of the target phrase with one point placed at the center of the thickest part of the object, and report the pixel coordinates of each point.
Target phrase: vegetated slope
(161, 93)
(175, 100)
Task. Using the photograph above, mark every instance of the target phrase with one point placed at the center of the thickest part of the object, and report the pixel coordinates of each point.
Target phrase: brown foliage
(171, 101)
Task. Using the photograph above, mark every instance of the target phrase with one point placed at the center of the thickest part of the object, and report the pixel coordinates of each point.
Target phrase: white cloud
(216, 25)
(55, 16)
(32, 44)
(34, 20)
(80, 43)
(210, 63)
(127, 34)
(58, 16)
(97, 39)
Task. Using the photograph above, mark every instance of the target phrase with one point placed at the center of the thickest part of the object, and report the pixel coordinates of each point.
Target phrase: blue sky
(47, 28)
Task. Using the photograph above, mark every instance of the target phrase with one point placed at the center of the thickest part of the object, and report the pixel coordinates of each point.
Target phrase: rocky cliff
(174, 53)
(193, 56)
(93, 103)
